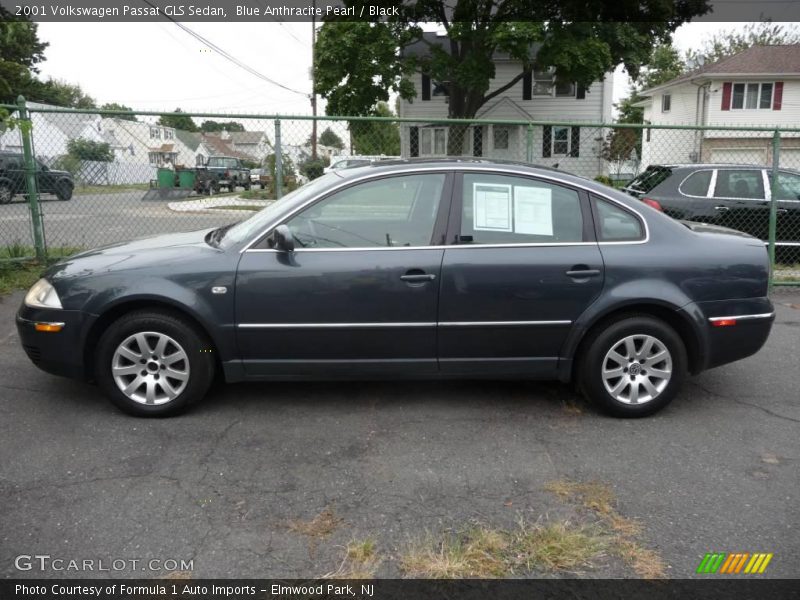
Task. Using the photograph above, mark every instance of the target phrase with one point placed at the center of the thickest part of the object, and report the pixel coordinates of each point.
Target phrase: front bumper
(60, 353)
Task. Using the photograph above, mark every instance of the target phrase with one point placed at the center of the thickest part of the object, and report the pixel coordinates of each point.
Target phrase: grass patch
(251, 207)
(599, 498)
(320, 526)
(82, 190)
(257, 195)
(16, 273)
(783, 272)
(361, 561)
(482, 552)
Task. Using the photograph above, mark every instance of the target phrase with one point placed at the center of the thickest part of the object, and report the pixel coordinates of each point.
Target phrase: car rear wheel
(634, 367)
(6, 193)
(154, 364)
(64, 191)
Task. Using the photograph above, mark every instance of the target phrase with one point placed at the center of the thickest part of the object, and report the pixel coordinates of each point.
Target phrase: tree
(20, 53)
(329, 138)
(84, 149)
(209, 126)
(376, 137)
(177, 120)
(580, 40)
(115, 106)
(729, 42)
(59, 93)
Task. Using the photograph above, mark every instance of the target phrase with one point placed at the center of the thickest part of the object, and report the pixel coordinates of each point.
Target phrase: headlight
(42, 295)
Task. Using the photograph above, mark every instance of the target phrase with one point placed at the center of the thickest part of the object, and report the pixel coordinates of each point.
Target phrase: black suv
(735, 196)
(49, 181)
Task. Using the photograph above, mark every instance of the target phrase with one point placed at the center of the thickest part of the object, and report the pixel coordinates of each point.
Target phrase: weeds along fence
(81, 178)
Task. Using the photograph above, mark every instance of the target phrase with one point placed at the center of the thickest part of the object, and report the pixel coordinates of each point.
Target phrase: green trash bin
(166, 178)
(186, 178)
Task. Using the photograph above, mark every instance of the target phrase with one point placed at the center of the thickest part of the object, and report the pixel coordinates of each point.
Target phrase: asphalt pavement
(718, 470)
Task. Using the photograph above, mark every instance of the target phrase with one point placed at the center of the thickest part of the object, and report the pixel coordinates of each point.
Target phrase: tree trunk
(463, 104)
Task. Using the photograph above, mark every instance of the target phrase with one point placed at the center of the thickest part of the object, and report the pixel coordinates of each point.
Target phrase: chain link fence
(106, 177)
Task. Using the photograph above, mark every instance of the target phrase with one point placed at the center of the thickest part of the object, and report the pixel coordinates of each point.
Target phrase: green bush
(90, 150)
(69, 163)
(605, 180)
(312, 168)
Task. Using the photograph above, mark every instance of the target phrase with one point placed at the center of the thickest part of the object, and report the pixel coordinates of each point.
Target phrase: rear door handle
(584, 273)
(418, 277)
(782, 211)
(722, 208)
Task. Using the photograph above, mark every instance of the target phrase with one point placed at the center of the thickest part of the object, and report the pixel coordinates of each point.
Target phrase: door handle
(782, 211)
(722, 208)
(583, 273)
(418, 277)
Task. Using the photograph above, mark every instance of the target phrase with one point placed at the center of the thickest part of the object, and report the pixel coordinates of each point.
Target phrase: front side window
(739, 183)
(501, 209)
(697, 183)
(615, 224)
(391, 212)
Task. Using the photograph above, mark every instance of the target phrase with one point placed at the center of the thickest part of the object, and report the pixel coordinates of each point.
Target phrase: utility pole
(313, 82)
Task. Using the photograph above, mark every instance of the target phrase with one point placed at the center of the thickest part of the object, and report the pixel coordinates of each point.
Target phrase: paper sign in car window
(533, 210)
(491, 207)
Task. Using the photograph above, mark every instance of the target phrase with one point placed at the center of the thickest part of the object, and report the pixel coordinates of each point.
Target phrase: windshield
(246, 230)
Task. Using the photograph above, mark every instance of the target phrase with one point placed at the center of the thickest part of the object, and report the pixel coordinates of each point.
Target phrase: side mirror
(284, 240)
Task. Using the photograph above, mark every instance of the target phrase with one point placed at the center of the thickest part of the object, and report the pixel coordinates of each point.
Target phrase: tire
(64, 191)
(613, 352)
(158, 394)
(6, 193)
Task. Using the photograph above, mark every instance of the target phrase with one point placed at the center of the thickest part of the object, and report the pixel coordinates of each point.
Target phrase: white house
(758, 87)
(536, 97)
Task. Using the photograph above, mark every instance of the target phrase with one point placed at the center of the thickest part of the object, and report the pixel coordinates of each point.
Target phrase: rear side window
(615, 224)
(696, 184)
(739, 183)
(651, 177)
(502, 209)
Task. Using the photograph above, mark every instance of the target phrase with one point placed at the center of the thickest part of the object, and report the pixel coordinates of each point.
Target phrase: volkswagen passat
(435, 269)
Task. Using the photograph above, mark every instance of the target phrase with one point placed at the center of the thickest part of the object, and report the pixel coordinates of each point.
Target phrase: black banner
(395, 589)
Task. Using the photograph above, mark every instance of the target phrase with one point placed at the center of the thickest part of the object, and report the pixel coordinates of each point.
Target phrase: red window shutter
(777, 99)
(726, 95)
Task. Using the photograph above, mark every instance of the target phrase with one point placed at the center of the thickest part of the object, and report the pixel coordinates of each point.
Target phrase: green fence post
(529, 149)
(25, 129)
(278, 161)
(773, 205)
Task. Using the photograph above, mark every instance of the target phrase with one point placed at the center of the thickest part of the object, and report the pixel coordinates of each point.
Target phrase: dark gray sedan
(435, 269)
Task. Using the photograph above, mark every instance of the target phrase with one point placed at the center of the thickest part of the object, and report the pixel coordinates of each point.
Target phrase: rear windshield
(228, 163)
(649, 179)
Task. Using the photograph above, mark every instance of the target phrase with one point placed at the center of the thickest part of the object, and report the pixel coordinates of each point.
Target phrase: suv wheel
(634, 367)
(63, 191)
(153, 364)
(6, 193)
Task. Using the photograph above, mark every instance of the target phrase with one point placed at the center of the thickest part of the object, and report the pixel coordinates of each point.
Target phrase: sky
(158, 66)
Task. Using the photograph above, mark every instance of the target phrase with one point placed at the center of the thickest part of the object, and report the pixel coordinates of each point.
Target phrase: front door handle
(722, 208)
(417, 276)
(782, 211)
(578, 273)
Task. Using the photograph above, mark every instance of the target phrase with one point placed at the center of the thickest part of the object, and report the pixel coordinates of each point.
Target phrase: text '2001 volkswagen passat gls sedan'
(437, 269)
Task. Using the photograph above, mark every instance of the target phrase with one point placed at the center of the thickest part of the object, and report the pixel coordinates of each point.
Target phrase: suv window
(788, 187)
(739, 183)
(649, 179)
(501, 209)
(696, 184)
(615, 224)
(396, 211)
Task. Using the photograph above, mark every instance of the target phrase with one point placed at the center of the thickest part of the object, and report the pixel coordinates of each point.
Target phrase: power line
(228, 56)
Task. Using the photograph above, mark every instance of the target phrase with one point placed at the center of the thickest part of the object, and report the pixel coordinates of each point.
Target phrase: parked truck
(219, 172)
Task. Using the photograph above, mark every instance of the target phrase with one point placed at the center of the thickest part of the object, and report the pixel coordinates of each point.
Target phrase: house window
(433, 141)
(155, 133)
(169, 134)
(750, 96)
(545, 84)
(501, 135)
(666, 102)
(561, 141)
(440, 88)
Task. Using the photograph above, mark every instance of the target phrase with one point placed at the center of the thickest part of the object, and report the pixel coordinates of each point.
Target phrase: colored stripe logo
(734, 563)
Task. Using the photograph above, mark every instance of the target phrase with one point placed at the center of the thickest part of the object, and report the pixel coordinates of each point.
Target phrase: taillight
(653, 204)
(228, 174)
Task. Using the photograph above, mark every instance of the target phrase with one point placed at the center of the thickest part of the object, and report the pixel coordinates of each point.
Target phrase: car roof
(715, 166)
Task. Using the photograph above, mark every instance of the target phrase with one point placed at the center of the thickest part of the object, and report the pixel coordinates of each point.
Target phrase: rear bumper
(60, 353)
(746, 325)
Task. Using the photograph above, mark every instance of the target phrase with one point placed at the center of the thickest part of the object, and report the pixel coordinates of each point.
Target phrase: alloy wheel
(150, 368)
(637, 369)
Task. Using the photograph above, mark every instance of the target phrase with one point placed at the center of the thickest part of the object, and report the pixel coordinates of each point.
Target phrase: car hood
(159, 250)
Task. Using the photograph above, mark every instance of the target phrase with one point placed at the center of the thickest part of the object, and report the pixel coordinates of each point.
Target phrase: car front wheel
(153, 364)
(634, 367)
(64, 192)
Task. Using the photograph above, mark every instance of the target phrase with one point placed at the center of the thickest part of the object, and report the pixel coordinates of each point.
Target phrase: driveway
(273, 480)
(97, 219)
